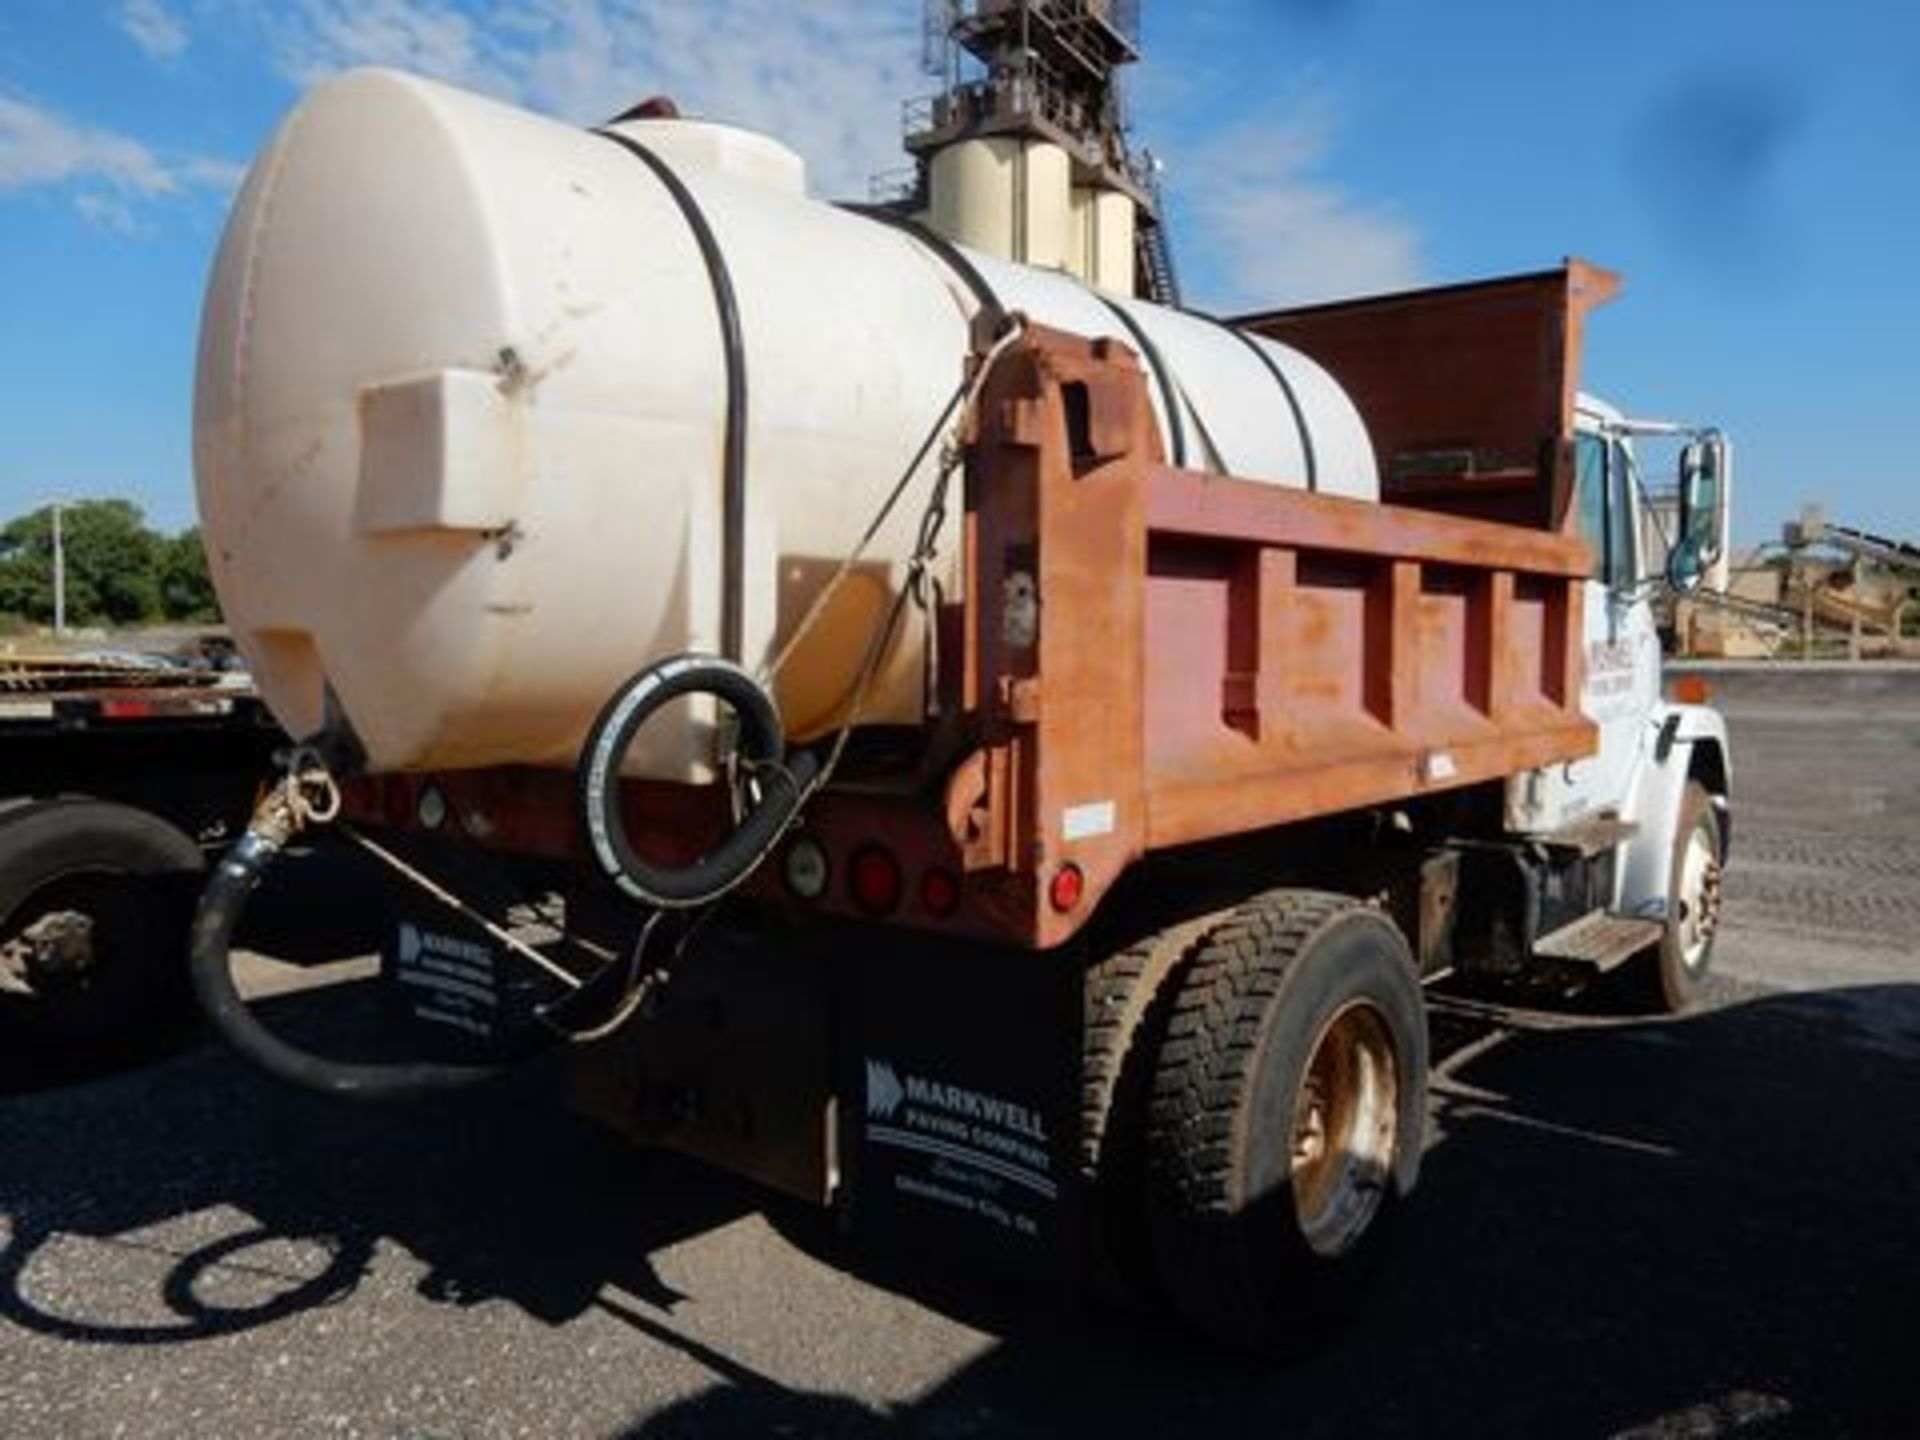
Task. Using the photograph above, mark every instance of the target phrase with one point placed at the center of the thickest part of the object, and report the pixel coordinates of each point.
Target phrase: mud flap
(456, 990)
(958, 1068)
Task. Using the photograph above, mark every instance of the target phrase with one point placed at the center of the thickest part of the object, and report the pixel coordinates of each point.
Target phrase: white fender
(1679, 734)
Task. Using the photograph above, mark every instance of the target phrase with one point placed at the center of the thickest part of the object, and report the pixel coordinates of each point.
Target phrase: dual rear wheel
(1276, 1070)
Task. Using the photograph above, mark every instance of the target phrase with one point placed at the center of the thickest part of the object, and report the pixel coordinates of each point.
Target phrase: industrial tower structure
(1024, 154)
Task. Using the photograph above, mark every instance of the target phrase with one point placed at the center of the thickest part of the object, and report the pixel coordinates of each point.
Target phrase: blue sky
(1753, 169)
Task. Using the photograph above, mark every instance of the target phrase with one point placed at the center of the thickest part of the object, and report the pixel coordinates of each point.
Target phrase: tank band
(733, 513)
(1176, 430)
(950, 254)
(1286, 389)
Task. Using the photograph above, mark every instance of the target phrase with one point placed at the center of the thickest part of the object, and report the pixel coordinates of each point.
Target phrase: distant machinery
(1821, 587)
(1024, 153)
(1851, 579)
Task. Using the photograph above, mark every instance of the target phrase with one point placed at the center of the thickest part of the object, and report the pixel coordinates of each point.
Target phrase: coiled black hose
(783, 787)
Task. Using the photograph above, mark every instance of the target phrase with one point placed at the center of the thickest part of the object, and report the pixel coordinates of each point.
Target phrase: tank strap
(1286, 389)
(1163, 377)
(733, 513)
(949, 254)
(956, 260)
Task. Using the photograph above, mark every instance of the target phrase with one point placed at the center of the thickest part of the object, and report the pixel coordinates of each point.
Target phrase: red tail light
(873, 877)
(1068, 886)
(939, 893)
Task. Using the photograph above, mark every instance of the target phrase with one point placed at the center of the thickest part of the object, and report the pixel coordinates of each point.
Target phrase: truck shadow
(1645, 1228)
(498, 1190)
(1665, 1228)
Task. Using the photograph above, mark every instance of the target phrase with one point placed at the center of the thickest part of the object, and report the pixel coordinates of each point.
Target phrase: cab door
(1622, 649)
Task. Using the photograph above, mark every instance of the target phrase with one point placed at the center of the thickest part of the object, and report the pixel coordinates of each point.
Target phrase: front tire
(1288, 1105)
(1668, 978)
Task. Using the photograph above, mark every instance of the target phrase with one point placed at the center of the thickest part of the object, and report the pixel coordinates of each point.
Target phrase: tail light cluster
(876, 884)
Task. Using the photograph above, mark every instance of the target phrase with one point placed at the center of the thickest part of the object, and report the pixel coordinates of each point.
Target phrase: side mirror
(1700, 541)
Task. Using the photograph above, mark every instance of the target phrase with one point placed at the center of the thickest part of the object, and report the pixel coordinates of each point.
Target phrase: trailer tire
(1285, 1127)
(1667, 978)
(108, 973)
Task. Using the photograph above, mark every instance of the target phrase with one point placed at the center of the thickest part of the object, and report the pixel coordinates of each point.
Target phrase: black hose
(1287, 392)
(733, 464)
(784, 787)
(950, 255)
(1162, 377)
(208, 960)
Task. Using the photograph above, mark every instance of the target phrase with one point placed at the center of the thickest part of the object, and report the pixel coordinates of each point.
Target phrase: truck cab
(1662, 758)
(1605, 868)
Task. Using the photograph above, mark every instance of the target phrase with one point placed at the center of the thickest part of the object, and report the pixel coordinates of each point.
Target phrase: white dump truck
(953, 742)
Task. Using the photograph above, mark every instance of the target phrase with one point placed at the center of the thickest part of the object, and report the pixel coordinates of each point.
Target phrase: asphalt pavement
(1625, 1226)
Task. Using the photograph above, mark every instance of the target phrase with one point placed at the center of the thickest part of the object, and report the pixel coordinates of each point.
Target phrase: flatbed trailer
(1125, 944)
(116, 785)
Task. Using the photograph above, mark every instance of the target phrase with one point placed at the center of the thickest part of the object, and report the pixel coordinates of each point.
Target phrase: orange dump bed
(1217, 656)
(1467, 390)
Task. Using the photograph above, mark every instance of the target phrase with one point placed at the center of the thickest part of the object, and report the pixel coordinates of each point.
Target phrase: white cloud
(826, 78)
(208, 172)
(154, 28)
(108, 211)
(1273, 229)
(38, 147)
(314, 38)
(109, 174)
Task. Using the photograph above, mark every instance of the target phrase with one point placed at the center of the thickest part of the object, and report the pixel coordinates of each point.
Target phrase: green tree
(26, 582)
(111, 563)
(186, 589)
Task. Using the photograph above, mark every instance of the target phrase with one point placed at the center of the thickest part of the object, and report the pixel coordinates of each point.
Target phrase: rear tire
(95, 900)
(1288, 1105)
(1127, 996)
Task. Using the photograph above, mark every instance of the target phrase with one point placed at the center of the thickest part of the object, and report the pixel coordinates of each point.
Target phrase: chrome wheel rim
(1345, 1123)
(1699, 898)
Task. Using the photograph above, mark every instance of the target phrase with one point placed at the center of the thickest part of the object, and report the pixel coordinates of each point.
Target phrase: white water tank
(462, 400)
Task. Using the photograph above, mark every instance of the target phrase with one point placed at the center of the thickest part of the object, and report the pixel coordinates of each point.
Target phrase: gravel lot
(1625, 1227)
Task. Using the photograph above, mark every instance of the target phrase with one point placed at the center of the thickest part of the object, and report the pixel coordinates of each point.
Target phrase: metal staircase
(1154, 276)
